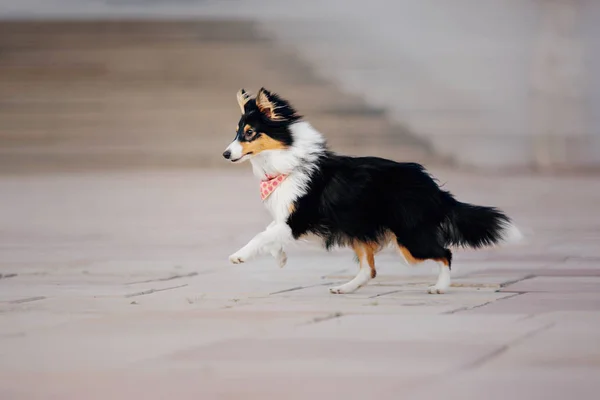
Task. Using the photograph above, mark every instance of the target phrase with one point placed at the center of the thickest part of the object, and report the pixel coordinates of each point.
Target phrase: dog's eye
(249, 132)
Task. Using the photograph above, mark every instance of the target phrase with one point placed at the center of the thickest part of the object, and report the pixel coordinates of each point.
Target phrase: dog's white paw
(343, 289)
(435, 289)
(281, 258)
(235, 259)
(238, 258)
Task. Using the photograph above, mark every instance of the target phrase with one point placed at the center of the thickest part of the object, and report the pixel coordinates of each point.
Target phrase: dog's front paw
(238, 257)
(343, 289)
(235, 259)
(280, 257)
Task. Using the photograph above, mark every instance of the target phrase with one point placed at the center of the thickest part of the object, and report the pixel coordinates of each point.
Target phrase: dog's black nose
(227, 154)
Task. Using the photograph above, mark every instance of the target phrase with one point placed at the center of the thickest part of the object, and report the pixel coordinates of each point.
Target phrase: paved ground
(117, 286)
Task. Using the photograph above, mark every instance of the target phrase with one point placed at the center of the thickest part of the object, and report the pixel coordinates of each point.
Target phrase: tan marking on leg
(408, 256)
(413, 260)
(371, 249)
(260, 144)
(367, 251)
(443, 260)
(292, 208)
(388, 238)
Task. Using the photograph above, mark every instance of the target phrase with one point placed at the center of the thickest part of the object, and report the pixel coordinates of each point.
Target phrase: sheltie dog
(365, 203)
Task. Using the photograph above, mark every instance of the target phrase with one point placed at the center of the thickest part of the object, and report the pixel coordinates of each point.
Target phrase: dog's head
(263, 126)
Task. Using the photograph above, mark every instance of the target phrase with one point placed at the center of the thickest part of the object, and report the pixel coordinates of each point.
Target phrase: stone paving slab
(333, 357)
(519, 383)
(117, 286)
(120, 339)
(584, 269)
(564, 284)
(186, 384)
(558, 347)
(441, 329)
(536, 303)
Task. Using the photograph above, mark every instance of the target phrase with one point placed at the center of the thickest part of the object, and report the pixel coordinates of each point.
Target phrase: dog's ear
(267, 104)
(242, 98)
(272, 106)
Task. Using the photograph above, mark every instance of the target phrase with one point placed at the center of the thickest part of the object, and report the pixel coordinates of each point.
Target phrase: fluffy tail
(476, 226)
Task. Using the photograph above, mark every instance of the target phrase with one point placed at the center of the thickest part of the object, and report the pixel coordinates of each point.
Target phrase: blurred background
(494, 85)
(118, 211)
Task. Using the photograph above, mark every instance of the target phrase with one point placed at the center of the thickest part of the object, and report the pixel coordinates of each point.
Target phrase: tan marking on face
(261, 144)
(292, 208)
(367, 251)
(246, 127)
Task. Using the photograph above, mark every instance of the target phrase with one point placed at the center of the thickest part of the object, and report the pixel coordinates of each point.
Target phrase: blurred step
(74, 159)
(140, 129)
(114, 34)
(140, 94)
(85, 98)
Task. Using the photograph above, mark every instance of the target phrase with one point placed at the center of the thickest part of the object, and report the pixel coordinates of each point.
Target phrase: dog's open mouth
(239, 159)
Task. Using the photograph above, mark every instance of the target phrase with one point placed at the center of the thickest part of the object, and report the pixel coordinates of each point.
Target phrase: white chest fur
(298, 161)
(280, 203)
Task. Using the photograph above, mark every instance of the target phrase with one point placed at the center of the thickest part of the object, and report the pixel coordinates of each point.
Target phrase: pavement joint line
(461, 309)
(293, 289)
(385, 293)
(528, 316)
(327, 317)
(27, 300)
(582, 258)
(13, 335)
(504, 348)
(5, 276)
(288, 290)
(517, 292)
(150, 291)
(334, 273)
(512, 282)
(170, 278)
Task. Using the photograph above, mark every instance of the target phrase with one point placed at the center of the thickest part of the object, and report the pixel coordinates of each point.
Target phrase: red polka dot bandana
(269, 185)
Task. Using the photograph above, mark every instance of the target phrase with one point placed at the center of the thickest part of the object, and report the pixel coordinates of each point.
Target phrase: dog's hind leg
(440, 255)
(443, 280)
(366, 258)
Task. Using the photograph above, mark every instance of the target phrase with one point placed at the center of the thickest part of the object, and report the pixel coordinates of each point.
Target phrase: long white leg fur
(364, 273)
(443, 280)
(271, 241)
